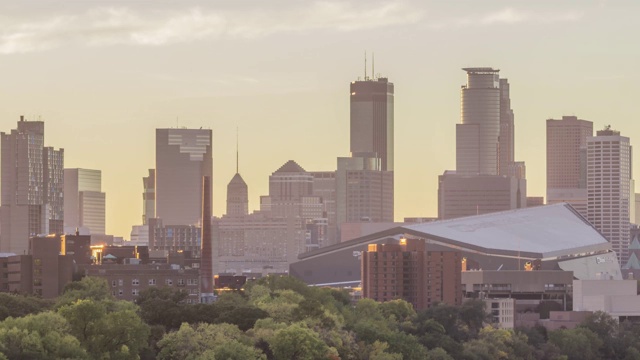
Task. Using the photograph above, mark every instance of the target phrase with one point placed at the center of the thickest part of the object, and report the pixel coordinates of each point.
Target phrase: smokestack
(206, 260)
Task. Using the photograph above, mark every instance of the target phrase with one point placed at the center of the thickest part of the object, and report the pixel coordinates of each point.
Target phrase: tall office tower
(462, 195)
(477, 137)
(364, 192)
(32, 193)
(506, 142)
(149, 197)
(372, 119)
(84, 201)
(567, 161)
(609, 188)
(183, 157)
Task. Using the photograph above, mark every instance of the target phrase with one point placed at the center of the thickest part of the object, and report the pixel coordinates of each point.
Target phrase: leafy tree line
(280, 318)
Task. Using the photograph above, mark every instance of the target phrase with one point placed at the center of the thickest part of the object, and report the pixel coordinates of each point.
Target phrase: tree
(40, 336)
(606, 328)
(20, 305)
(234, 350)
(89, 288)
(298, 343)
(438, 354)
(498, 344)
(162, 306)
(107, 328)
(399, 309)
(577, 344)
(193, 342)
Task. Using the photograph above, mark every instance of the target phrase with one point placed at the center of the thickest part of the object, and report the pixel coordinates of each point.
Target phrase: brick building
(409, 270)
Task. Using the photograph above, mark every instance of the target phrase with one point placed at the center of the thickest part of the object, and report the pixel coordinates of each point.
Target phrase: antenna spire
(237, 152)
(365, 65)
(373, 61)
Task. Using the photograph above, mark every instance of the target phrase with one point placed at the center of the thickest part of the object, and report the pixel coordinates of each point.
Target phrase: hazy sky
(104, 74)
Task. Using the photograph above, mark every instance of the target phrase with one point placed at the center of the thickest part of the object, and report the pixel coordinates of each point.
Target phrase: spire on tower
(237, 153)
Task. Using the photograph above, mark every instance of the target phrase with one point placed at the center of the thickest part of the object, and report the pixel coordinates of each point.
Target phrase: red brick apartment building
(407, 270)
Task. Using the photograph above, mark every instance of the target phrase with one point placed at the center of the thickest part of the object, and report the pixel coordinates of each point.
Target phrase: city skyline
(112, 87)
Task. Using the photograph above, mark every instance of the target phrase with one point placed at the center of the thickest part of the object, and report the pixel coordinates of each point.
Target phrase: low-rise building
(502, 312)
(618, 298)
(126, 281)
(529, 288)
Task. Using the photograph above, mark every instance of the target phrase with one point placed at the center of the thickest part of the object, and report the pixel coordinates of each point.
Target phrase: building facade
(372, 119)
(567, 161)
(462, 195)
(183, 157)
(408, 270)
(364, 192)
(84, 205)
(32, 187)
(149, 197)
(173, 238)
(609, 188)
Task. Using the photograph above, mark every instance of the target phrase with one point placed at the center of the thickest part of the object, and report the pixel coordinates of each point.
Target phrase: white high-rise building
(609, 180)
(183, 157)
(85, 203)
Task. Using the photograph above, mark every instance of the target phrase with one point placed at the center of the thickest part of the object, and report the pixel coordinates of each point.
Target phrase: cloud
(111, 26)
(507, 16)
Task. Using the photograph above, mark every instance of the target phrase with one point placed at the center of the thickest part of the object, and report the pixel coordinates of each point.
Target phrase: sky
(103, 75)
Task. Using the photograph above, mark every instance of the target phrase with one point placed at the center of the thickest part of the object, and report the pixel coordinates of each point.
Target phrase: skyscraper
(487, 177)
(372, 119)
(84, 204)
(609, 179)
(477, 137)
(567, 161)
(183, 157)
(32, 187)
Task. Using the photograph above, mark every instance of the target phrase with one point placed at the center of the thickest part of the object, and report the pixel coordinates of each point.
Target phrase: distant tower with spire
(237, 191)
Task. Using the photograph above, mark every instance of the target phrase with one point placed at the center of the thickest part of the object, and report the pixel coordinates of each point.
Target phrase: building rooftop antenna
(237, 152)
(365, 65)
(373, 61)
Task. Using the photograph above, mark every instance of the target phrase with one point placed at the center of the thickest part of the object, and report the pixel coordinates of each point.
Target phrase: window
(120, 292)
(135, 292)
(120, 282)
(135, 282)
(152, 281)
(168, 282)
(113, 283)
(180, 282)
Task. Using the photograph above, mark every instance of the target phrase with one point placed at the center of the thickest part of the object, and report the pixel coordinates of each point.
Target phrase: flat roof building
(408, 270)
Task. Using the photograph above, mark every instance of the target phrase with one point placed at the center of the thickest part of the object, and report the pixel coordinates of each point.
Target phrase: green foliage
(576, 344)
(40, 336)
(206, 340)
(89, 288)
(107, 328)
(21, 305)
(438, 354)
(297, 343)
(162, 306)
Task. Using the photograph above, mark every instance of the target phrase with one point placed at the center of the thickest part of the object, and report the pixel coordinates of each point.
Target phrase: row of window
(168, 282)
